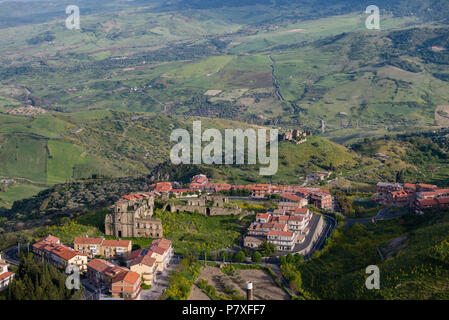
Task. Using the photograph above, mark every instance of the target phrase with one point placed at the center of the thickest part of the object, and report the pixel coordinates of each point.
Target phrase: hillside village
(119, 271)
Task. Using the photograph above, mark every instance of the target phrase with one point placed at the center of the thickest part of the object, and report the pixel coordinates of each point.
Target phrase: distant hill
(296, 162)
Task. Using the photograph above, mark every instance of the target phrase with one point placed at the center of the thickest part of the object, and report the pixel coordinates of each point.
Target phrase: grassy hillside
(297, 161)
(413, 262)
(59, 147)
(412, 157)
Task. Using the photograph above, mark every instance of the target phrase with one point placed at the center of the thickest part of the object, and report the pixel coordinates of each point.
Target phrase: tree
(65, 221)
(266, 248)
(239, 257)
(256, 257)
(35, 280)
(223, 256)
(298, 259)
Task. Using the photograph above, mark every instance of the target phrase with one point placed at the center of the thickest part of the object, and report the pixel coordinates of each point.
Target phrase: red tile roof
(135, 254)
(100, 265)
(280, 233)
(280, 218)
(428, 202)
(6, 275)
(127, 276)
(158, 250)
(116, 243)
(66, 253)
(146, 260)
(50, 239)
(164, 243)
(87, 240)
(427, 186)
(399, 194)
(301, 210)
(262, 216)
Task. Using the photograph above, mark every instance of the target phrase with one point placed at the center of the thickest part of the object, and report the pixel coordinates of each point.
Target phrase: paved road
(9, 255)
(330, 225)
(383, 214)
(160, 283)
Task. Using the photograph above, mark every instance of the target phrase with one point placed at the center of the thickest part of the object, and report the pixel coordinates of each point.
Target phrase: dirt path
(275, 81)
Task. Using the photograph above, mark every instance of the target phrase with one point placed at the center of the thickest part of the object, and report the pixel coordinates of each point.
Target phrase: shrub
(239, 257)
(256, 257)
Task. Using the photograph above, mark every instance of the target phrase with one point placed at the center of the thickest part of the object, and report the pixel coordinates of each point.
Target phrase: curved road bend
(9, 255)
(383, 214)
(330, 225)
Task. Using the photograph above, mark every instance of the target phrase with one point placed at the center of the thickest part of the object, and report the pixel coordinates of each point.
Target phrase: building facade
(110, 249)
(6, 276)
(50, 250)
(132, 217)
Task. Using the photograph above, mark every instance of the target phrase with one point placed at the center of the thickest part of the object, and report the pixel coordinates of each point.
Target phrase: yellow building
(110, 249)
(146, 267)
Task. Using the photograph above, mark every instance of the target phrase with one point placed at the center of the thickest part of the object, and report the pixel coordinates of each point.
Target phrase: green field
(18, 191)
(24, 157)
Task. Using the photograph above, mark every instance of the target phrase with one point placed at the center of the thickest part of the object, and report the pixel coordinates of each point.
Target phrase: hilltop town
(297, 223)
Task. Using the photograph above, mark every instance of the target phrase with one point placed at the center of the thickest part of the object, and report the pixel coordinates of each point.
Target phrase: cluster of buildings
(284, 227)
(93, 256)
(109, 249)
(6, 276)
(318, 197)
(419, 197)
(7, 181)
(142, 267)
(150, 261)
(296, 136)
(50, 250)
(122, 282)
(319, 175)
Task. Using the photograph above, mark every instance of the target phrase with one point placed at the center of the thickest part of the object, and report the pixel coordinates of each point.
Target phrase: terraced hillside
(139, 57)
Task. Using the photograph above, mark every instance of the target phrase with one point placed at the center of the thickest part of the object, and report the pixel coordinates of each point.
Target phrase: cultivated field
(264, 286)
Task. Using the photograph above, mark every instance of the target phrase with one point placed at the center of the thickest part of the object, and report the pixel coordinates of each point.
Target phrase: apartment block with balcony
(284, 240)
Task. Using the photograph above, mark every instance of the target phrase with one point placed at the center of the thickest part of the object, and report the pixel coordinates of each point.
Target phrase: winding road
(383, 214)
